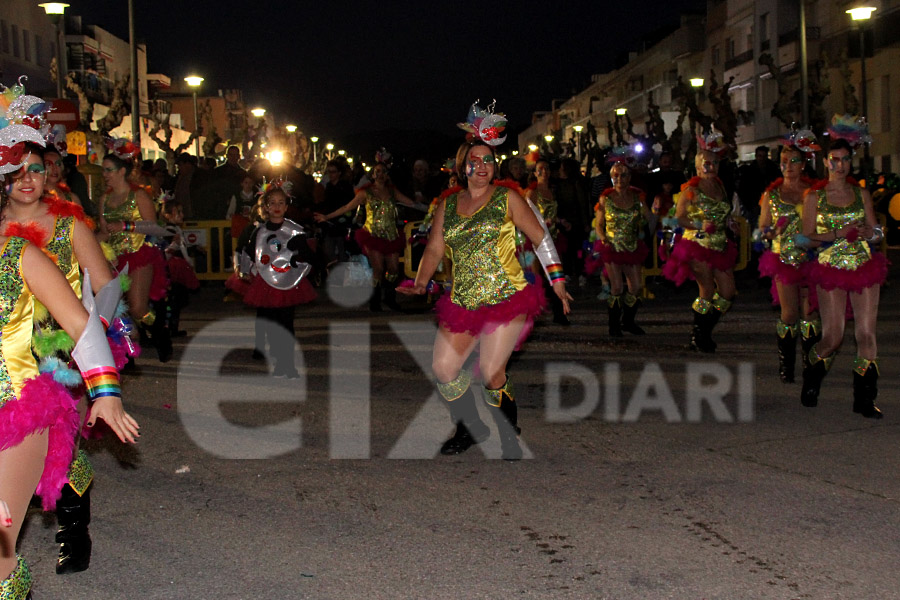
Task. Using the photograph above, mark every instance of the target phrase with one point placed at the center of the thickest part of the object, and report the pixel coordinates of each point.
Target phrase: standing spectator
(231, 169)
(518, 171)
(753, 179)
(184, 187)
(574, 214)
(338, 192)
(78, 184)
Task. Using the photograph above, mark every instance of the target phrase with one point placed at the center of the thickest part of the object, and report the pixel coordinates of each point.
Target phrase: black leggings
(272, 324)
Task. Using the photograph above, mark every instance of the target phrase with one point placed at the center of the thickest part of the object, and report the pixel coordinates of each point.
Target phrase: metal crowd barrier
(210, 243)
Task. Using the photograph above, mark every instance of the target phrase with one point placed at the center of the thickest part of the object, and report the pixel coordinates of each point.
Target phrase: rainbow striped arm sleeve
(101, 382)
(546, 251)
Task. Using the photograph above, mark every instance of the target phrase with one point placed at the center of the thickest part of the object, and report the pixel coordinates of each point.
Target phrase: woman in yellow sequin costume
(838, 217)
(490, 302)
(786, 262)
(619, 218)
(38, 417)
(123, 206)
(58, 227)
(380, 239)
(704, 252)
(540, 194)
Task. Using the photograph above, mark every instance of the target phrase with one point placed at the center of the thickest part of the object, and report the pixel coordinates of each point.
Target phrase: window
(39, 53)
(715, 55)
(4, 37)
(26, 44)
(764, 27)
(15, 41)
(729, 49)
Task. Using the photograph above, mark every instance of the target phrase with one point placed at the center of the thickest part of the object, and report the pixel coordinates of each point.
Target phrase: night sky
(336, 68)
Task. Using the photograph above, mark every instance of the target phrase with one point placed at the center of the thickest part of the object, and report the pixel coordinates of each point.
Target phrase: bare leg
(616, 286)
(20, 471)
(139, 292)
(496, 348)
(706, 282)
(451, 350)
(789, 297)
(634, 279)
(832, 306)
(865, 315)
(725, 283)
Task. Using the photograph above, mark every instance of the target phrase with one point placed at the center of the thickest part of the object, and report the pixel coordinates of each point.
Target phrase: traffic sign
(65, 113)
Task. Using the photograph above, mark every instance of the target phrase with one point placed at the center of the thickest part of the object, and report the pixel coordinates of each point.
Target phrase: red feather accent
(532, 185)
(58, 207)
(63, 187)
(363, 188)
(607, 191)
(692, 182)
(818, 185)
(449, 192)
(510, 184)
(30, 231)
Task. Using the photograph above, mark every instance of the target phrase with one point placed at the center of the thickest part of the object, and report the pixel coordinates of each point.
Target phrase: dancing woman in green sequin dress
(838, 218)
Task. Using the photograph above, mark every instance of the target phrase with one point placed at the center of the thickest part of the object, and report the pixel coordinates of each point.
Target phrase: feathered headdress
(803, 140)
(485, 125)
(123, 148)
(853, 129)
(22, 119)
(276, 184)
(449, 166)
(383, 156)
(712, 141)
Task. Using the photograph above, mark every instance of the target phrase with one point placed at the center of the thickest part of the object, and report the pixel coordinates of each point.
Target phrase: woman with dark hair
(541, 195)
(53, 162)
(838, 218)
(127, 214)
(621, 213)
(786, 261)
(491, 303)
(379, 238)
(39, 420)
(703, 252)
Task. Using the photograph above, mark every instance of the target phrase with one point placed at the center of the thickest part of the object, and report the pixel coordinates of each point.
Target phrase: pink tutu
(770, 265)
(678, 265)
(610, 255)
(43, 404)
(148, 255)
(370, 243)
(180, 271)
(236, 284)
(872, 272)
(529, 301)
(261, 294)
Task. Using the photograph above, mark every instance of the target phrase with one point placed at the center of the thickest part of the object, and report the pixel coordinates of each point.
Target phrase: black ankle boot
(628, 314)
(701, 341)
(390, 295)
(73, 513)
(865, 390)
(787, 355)
(505, 413)
(615, 316)
(812, 383)
(470, 429)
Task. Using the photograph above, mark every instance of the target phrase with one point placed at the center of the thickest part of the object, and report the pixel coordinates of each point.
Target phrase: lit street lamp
(259, 113)
(291, 128)
(56, 11)
(863, 14)
(194, 82)
(621, 111)
(578, 129)
(314, 140)
(329, 147)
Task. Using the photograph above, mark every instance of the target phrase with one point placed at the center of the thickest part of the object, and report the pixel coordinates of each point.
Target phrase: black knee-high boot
(787, 350)
(73, 513)
(505, 413)
(720, 306)
(162, 338)
(810, 334)
(865, 388)
(703, 313)
(629, 311)
(614, 304)
(470, 429)
(813, 376)
(389, 289)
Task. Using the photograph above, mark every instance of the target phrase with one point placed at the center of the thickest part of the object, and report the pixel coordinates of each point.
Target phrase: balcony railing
(739, 59)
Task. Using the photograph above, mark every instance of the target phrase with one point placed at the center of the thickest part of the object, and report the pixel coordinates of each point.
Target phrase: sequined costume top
(124, 242)
(381, 216)
(623, 225)
(482, 247)
(61, 247)
(550, 211)
(705, 208)
(17, 364)
(783, 244)
(842, 254)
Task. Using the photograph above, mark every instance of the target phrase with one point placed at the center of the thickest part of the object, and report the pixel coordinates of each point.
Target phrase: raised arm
(358, 200)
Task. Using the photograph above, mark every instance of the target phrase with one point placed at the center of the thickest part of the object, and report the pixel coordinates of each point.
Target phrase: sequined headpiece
(853, 129)
(57, 139)
(712, 142)
(276, 184)
(22, 119)
(485, 125)
(123, 148)
(803, 140)
(383, 156)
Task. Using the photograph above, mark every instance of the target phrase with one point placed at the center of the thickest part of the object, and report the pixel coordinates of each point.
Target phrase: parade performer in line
(620, 215)
(786, 261)
(540, 194)
(379, 238)
(38, 416)
(128, 215)
(54, 153)
(838, 217)
(276, 262)
(703, 252)
(491, 302)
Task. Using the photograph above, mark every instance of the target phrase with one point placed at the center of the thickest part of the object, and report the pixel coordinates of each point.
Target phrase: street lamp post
(57, 13)
(863, 14)
(259, 113)
(194, 82)
(314, 140)
(578, 129)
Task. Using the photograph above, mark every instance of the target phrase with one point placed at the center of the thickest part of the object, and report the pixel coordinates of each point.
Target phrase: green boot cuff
(783, 328)
(814, 358)
(701, 305)
(810, 329)
(721, 304)
(613, 300)
(629, 299)
(861, 365)
(456, 388)
(496, 397)
(81, 473)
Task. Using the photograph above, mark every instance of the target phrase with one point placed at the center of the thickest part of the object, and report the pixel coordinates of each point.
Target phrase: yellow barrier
(410, 258)
(214, 243)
